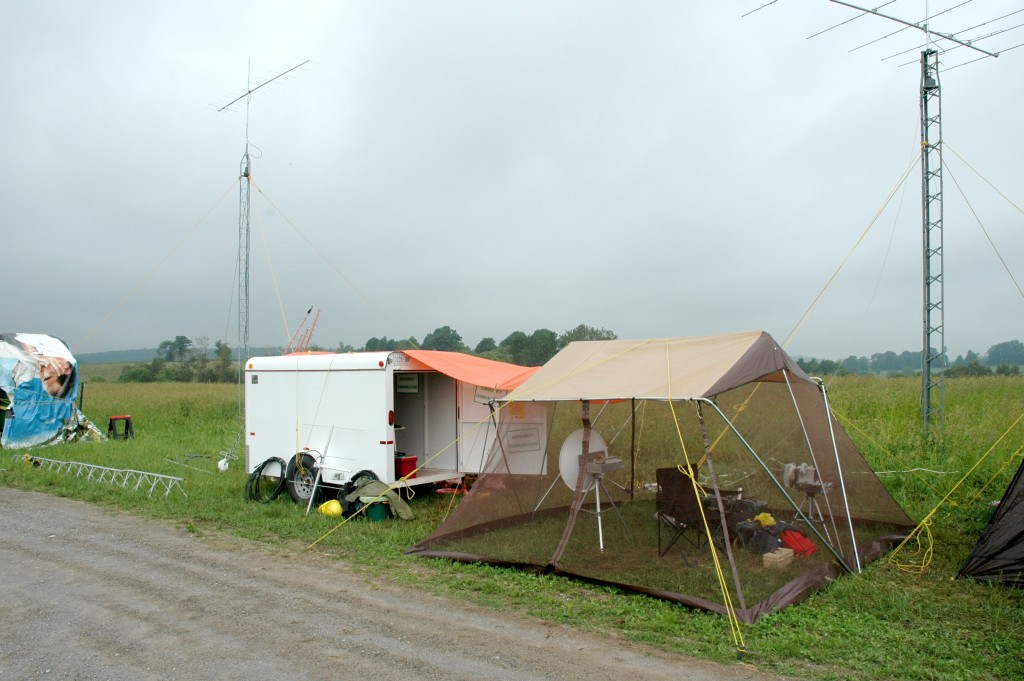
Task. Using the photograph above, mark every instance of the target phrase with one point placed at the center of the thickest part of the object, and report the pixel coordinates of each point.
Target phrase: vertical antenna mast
(932, 356)
(933, 350)
(244, 185)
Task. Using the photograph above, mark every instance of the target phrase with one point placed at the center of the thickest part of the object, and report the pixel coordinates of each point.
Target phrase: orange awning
(486, 373)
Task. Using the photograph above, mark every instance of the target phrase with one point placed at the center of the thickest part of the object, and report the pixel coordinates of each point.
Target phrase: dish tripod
(596, 470)
(813, 513)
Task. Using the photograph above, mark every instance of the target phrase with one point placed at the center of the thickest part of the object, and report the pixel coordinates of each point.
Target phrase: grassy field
(888, 623)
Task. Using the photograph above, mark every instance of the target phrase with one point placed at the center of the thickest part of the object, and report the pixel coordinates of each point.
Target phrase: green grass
(100, 373)
(887, 623)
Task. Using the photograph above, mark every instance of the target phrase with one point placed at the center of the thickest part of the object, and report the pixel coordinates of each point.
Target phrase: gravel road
(91, 594)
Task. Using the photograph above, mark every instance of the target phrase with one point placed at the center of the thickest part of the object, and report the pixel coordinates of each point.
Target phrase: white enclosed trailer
(334, 415)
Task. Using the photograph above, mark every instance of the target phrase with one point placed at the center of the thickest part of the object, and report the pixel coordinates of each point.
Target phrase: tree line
(1003, 359)
(186, 361)
(182, 360)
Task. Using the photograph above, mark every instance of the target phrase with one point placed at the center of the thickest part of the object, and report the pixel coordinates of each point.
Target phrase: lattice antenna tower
(244, 186)
(933, 335)
(933, 354)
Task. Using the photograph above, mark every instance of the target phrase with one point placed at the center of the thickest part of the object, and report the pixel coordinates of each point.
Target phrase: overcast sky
(656, 168)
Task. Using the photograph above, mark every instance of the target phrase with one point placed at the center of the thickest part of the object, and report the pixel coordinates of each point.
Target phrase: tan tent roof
(659, 368)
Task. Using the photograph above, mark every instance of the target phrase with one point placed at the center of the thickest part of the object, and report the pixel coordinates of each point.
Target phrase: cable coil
(253, 490)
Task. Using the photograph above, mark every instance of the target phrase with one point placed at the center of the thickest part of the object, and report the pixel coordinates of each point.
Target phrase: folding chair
(677, 509)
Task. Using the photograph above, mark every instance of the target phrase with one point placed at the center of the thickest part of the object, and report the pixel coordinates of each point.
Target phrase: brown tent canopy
(670, 467)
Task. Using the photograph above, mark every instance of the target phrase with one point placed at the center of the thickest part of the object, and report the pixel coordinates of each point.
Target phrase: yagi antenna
(920, 25)
(934, 346)
(266, 82)
(244, 185)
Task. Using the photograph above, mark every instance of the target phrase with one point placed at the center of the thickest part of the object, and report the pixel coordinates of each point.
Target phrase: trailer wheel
(300, 476)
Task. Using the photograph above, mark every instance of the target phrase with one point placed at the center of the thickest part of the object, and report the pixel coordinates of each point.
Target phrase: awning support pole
(721, 508)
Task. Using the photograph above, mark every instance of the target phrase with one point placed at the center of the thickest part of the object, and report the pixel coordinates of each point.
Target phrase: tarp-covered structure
(582, 479)
(999, 554)
(38, 388)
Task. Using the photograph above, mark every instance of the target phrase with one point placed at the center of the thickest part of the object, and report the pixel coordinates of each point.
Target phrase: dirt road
(90, 594)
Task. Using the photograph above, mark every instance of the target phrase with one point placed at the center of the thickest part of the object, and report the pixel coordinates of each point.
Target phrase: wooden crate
(778, 559)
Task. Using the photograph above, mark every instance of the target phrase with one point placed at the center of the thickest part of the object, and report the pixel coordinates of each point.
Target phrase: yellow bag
(331, 508)
(765, 519)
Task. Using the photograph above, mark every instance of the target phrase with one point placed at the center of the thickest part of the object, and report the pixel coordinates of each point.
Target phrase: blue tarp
(39, 380)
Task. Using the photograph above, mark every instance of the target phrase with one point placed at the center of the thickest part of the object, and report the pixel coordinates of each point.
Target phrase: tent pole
(721, 508)
(504, 454)
(814, 457)
(632, 447)
(782, 489)
(577, 501)
(839, 467)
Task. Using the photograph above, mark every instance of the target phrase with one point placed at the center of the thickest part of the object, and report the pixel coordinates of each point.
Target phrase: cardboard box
(778, 559)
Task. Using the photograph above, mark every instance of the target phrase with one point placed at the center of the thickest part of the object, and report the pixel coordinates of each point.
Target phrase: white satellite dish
(569, 458)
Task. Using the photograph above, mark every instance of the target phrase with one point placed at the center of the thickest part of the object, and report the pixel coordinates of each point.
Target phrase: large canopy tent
(999, 554)
(583, 478)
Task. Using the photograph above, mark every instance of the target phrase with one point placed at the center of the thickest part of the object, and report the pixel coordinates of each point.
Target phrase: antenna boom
(910, 24)
(267, 82)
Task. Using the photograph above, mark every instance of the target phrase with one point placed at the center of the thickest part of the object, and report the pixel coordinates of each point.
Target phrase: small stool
(129, 430)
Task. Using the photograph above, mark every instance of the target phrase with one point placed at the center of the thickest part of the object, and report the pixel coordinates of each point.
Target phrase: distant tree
(584, 333)
(885, 362)
(1008, 370)
(182, 373)
(197, 359)
(827, 367)
(909, 361)
(344, 347)
(857, 365)
(385, 343)
(541, 346)
(377, 344)
(484, 346)
(140, 372)
(974, 368)
(444, 338)
(808, 364)
(224, 370)
(514, 346)
(1010, 352)
(174, 350)
(498, 354)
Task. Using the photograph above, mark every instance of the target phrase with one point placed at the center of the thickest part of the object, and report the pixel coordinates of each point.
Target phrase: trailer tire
(300, 478)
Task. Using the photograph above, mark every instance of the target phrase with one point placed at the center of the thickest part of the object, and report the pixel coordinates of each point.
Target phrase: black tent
(999, 554)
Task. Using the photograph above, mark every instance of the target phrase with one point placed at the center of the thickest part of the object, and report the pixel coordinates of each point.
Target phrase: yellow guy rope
(831, 280)
(924, 524)
(920, 478)
(730, 609)
(985, 231)
(1012, 459)
(945, 144)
